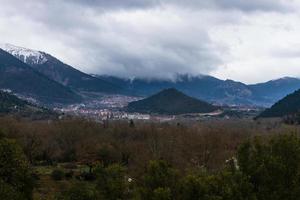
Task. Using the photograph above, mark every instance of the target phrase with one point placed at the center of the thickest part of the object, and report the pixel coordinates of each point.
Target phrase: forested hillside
(171, 102)
(12, 105)
(289, 105)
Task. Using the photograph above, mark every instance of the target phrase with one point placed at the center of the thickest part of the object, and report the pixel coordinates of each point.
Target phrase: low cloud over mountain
(240, 40)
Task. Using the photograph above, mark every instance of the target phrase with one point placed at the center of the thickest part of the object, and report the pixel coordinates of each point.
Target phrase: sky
(248, 41)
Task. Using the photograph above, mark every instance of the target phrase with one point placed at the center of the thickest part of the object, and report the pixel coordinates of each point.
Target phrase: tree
(194, 187)
(8, 192)
(162, 194)
(111, 182)
(273, 168)
(224, 185)
(15, 176)
(234, 186)
(57, 174)
(107, 155)
(31, 143)
(159, 182)
(131, 124)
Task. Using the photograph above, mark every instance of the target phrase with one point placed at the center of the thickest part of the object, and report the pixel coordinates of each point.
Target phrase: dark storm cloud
(161, 60)
(149, 38)
(124, 43)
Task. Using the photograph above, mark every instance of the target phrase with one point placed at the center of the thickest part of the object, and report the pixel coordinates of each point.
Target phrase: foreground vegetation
(83, 160)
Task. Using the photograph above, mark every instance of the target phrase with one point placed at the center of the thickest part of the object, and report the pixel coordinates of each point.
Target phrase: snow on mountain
(29, 56)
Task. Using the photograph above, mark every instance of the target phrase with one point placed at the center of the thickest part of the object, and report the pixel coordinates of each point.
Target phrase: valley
(75, 136)
(149, 100)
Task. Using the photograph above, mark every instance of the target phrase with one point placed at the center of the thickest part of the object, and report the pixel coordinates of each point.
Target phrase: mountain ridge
(22, 79)
(60, 72)
(208, 88)
(211, 89)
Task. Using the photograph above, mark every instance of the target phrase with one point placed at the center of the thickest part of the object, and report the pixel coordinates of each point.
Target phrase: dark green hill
(22, 79)
(9, 103)
(12, 105)
(172, 102)
(287, 106)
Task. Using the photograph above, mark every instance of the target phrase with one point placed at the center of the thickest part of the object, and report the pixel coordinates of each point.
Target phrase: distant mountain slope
(275, 90)
(10, 102)
(170, 101)
(12, 105)
(202, 87)
(286, 106)
(60, 72)
(212, 89)
(22, 79)
(208, 88)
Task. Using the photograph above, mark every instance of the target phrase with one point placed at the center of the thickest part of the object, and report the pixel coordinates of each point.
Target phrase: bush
(70, 166)
(88, 176)
(8, 192)
(107, 155)
(69, 174)
(225, 185)
(273, 168)
(159, 180)
(15, 174)
(57, 175)
(194, 187)
(162, 194)
(111, 182)
(80, 191)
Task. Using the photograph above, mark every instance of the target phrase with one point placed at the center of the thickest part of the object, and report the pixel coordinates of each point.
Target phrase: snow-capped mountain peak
(28, 56)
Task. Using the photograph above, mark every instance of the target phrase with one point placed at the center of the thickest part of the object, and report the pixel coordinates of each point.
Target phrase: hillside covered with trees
(171, 102)
(12, 105)
(289, 105)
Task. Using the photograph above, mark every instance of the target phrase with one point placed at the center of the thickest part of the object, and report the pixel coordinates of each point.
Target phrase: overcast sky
(244, 40)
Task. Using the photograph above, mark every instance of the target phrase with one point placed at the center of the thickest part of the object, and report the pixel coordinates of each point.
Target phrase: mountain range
(213, 90)
(24, 80)
(171, 102)
(60, 72)
(43, 77)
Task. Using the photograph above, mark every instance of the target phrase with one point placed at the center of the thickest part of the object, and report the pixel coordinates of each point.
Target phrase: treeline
(84, 142)
(147, 161)
(261, 171)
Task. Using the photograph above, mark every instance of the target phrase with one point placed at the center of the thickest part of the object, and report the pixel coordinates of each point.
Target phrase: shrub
(111, 182)
(159, 177)
(88, 176)
(70, 166)
(8, 192)
(57, 175)
(223, 185)
(107, 155)
(69, 174)
(273, 168)
(15, 175)
(162, 194)
(80, 191)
